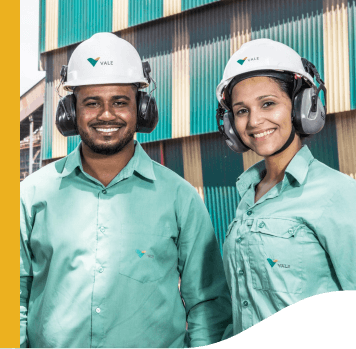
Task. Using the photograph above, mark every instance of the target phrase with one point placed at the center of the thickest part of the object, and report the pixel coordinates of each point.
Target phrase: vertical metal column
(31, 145)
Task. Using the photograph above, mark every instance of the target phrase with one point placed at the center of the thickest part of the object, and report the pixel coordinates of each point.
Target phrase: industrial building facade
(188, 43)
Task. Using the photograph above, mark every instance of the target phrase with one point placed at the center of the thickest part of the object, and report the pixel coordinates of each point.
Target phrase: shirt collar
(140, 162)
(298, 168)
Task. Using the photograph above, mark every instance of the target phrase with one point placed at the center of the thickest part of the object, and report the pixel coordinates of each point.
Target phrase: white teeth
(107, 129)
(259, 135)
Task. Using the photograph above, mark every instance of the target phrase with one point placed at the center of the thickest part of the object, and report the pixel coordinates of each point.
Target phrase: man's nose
(107, 114)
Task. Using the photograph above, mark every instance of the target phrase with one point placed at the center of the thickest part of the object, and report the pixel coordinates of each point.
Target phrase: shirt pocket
(146, 255)
(275, 255)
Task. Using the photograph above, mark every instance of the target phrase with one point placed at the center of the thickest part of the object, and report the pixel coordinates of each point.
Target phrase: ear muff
(309, 116)
(228, 130)
(65, 116)
(147, 113)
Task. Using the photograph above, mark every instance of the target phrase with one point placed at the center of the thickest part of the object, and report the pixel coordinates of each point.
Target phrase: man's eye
(92, 104)
(119, 103)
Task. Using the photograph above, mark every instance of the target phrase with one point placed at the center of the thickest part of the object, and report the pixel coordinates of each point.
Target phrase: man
(106, 232)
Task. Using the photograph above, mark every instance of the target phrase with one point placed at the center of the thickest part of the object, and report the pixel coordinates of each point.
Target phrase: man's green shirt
(297, 241)
(100, 266)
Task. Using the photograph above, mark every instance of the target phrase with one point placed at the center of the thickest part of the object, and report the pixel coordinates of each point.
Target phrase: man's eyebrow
(97, 98)
(258, 98)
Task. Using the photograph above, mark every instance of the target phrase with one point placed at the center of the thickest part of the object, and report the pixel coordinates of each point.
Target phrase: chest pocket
(276, 255)
(146, 255)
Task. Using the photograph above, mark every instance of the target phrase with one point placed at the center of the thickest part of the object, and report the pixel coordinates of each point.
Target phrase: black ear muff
(65, 116)
(147, 113)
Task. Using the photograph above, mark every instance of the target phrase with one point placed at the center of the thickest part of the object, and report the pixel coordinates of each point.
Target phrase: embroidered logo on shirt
(272, 263)
(140, 253)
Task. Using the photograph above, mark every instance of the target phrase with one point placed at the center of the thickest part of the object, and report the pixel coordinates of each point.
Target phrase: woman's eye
(267, 104)
(241, 111)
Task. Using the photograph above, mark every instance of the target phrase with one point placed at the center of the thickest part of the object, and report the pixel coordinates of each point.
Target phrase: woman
(294, 234)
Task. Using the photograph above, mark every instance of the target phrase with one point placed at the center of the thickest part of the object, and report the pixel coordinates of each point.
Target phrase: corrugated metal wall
(47, 111)
(120, 15)
(42, 27)
(220, 169)
(209, 43)
(188, 4)
(173, 156)
(141, 11)
(171, 7)
(351, 10)
(51, 24)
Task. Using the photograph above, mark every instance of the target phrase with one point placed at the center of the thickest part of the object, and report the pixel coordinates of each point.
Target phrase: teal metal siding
(42, 29)
(323, 145)
(80, 19)
(173, 156)
(154, 44)
(47, 121)
(220, 167)
(188, 4)
(209, 35)
(141, 11)
(352, 50)
(296, 23)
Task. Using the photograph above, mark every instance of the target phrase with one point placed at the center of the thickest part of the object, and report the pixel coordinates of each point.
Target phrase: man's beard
(105, 149)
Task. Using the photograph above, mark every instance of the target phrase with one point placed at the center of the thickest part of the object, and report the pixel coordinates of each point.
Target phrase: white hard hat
(262, 54)
(105, 59)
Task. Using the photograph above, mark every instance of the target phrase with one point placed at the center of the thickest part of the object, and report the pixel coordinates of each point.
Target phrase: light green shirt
(100, 265)
(297, 241)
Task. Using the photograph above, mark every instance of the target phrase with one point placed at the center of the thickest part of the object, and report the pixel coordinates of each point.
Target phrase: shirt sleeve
(25, 273)
(336, 230)
(203, 284)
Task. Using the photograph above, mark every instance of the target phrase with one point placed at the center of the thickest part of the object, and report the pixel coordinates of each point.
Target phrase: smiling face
(262, 114)
(106, 117)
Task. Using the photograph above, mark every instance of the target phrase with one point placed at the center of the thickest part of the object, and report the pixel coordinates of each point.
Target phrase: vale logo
(140, 253)
(272, 262)
(242, 61)
(93, 61)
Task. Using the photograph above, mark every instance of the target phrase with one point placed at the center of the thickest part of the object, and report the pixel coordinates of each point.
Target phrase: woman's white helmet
(105, 59)
(261, 54)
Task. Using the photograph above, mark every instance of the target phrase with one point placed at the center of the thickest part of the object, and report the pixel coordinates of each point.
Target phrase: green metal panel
(78, 20)
(188, 4)
(221, 167)
(47, 121)
(42, 28)
(141, 11)
(173, 156)
(352, 50)
(296, 23)
(324, 146)
(154, 44)
(209, 35)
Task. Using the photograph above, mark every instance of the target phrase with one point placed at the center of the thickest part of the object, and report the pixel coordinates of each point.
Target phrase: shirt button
(245, 303)
(239, 240)
(102, 229)
(241, 272)
(249, 213)
(97, 310)
(101, 270)
(261, 225)
(104, 191)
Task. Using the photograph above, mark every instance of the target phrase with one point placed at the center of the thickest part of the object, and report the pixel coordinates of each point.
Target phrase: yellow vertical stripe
(346, 141)
(250, 158)
(51, 24)
(59, 142)
(120, 14)
(336, 55)
(171, 7)
(240, 25)
(193, 172)
(180, 79)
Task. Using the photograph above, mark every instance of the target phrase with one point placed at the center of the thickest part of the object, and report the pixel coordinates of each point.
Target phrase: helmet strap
(288, 143)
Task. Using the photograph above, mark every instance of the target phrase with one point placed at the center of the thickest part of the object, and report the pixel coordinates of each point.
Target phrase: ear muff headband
(147, 112)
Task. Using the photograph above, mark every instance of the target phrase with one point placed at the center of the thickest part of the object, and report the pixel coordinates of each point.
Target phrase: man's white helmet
(105, 59)
(261, 54)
